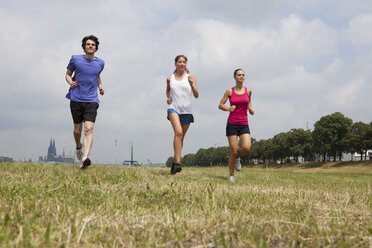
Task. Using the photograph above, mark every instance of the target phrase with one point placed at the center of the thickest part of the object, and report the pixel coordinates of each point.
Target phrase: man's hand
(74, 84)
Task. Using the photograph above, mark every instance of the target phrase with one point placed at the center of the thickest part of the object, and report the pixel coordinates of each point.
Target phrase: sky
(302, 59)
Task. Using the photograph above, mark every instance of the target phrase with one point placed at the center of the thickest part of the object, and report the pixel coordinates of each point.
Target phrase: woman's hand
(251, 111)
(191, 80)
(169, 100)
(232, 108)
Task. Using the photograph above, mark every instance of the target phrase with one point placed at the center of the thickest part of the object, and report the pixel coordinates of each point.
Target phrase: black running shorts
(232, 129)
(83, 111)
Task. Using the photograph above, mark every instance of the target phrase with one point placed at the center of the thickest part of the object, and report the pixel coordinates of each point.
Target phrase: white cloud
(358, 31)
(346, 94)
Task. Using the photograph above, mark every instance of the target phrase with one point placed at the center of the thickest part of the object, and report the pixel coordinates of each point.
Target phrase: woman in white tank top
(181, 86)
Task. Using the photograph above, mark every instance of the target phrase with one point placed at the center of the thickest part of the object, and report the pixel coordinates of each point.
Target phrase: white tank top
(181, 93)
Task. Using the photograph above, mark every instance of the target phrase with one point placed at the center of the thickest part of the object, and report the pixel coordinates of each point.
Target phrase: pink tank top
(239, 116)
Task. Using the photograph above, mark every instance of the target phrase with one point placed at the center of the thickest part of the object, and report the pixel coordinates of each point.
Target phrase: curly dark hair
(90, 37)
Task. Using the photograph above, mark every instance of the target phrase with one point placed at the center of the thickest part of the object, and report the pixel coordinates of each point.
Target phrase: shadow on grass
(312, 165)
(335, 164)
(353, 163)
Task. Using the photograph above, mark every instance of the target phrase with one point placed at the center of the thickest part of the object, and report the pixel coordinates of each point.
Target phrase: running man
(83, 95)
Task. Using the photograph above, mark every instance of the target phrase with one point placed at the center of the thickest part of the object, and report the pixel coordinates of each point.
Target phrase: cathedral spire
(54, 148)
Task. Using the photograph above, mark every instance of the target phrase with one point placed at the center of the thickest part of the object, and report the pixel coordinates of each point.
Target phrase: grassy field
(62, 206)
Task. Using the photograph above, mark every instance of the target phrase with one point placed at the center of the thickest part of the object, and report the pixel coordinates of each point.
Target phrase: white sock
(84, 158)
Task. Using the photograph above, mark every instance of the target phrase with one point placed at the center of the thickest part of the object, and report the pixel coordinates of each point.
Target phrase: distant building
(6, 160)
(357, 156)
(52, 151)
(347, 157)
(53, 157)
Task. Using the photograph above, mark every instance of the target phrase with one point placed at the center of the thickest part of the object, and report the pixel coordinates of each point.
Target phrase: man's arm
(69, 80)
(100, 87)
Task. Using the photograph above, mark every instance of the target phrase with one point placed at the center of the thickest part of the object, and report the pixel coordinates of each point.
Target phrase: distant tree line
(333, 135)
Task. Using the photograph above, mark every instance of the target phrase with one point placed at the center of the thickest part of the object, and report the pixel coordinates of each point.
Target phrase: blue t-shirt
(86, 75)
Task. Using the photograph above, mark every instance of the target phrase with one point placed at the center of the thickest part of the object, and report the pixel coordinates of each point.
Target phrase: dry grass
(61, 206)
(355, 167)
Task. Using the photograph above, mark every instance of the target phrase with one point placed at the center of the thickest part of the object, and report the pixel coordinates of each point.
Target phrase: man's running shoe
(238, 165)
(79, 152)
(85, 163)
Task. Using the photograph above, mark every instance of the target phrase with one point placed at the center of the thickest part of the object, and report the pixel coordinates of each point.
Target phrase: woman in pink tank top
(237, 122)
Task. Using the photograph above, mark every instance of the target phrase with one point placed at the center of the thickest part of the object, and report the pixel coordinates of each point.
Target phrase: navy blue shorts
(185, 119)
(232, 129)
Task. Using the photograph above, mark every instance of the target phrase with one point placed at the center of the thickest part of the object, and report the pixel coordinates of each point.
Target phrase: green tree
(188, 160)
(359, 138)
(201, 157)
(329, 134)
(263, 150)
(221, 155)
(256, 150)
(300, 143)
(369, 136)
(308, 151)
(212, 155)
(280, 146)
(169, 162)
(268, 149)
